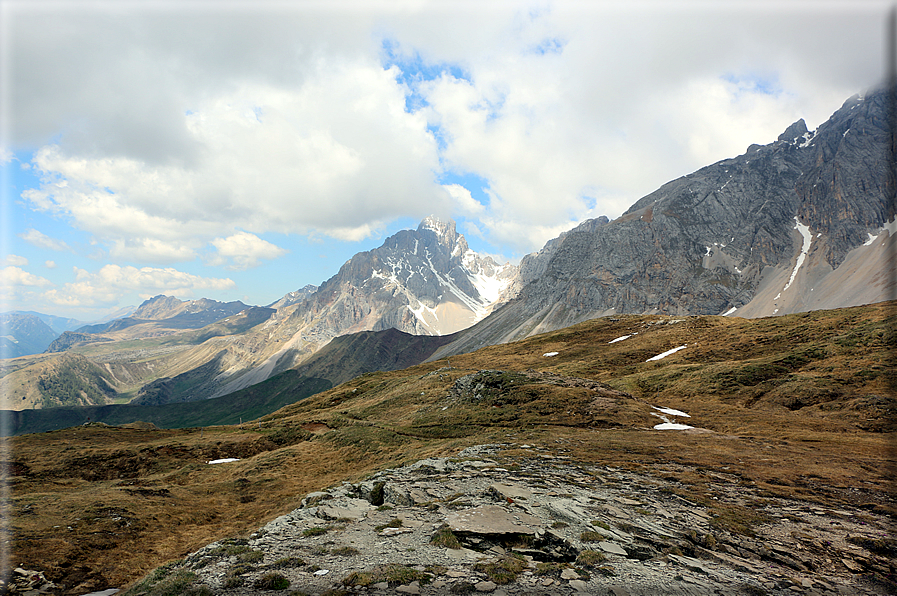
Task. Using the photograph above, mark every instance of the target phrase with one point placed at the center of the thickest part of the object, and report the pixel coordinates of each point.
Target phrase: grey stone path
(577, 530)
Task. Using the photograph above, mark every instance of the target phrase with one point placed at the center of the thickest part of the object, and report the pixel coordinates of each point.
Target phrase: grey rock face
(706, 242)
(414, 272)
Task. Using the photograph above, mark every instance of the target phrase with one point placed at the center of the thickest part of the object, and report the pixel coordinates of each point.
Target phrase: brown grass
(796, 406)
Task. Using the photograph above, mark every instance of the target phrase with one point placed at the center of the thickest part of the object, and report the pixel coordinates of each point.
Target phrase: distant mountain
(174, 313)
(119, 313)
(294, 297)
(804, 223)
(23, 334)
(421, 282)
(57, 324)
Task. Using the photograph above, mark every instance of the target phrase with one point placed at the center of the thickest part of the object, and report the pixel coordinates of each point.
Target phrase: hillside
(800, 224)
(803, 223)
(795, 411)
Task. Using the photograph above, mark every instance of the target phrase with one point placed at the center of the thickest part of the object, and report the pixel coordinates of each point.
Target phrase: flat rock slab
(567, 509)
(492, 519)
(345, 508)
(612, 548)
(512, 491)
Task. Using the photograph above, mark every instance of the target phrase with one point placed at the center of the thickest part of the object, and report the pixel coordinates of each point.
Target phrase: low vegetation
(798, 406)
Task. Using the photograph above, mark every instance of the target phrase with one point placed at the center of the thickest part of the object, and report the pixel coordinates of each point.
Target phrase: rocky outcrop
(539, 523)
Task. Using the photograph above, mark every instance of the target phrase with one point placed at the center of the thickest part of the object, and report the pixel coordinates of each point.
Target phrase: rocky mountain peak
(157, 307)
(446, 233)
(795, 131)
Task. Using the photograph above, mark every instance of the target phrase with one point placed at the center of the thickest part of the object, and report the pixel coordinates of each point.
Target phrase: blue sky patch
(413, 70)
(752, 83)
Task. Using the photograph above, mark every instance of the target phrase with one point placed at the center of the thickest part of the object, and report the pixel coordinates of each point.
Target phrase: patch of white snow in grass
(671, 426)
(226, 460)
(671, 411)
(550, 354)
(665, 354)
(613, 341)
(667, 425)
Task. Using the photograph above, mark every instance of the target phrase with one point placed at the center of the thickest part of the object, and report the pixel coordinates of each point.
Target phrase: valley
(790, 416)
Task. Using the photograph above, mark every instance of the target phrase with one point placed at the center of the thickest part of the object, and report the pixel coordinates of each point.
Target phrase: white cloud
(465, 203)
(284, 119)
(15, 276)
(16, 260)
(41, 240)
(153, 250)
(245, 250)
(108, 285)
(329, 157)
(50, 264)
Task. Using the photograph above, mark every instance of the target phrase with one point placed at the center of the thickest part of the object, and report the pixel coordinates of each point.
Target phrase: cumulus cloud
(41, 240)
(329, 157)
(244, 250)
(16, 260)
(15, 276)
(50, 264)
(334, 122)
(106, 286)
(463, 200)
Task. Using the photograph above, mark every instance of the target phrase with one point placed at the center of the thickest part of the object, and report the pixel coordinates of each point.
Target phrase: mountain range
(803, 223)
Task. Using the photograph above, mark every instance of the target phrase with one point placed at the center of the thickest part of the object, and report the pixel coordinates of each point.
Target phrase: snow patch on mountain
(889, 227)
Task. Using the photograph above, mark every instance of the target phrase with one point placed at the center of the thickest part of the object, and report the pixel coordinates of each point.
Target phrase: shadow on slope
(247, 404)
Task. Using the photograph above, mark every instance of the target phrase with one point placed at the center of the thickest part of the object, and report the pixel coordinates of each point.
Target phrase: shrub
(550, 569)
(272, 581)
(590, 558)
(502, 570)
(591, 536)
(445, 537)
(395, 523)
(600, 524)
(315, 531)
(287, 562)
(250, 556)
(394, 574)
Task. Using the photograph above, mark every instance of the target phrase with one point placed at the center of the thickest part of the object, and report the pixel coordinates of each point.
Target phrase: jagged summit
(446, 233)
(801, 223)
(794, 132)
(425, 281)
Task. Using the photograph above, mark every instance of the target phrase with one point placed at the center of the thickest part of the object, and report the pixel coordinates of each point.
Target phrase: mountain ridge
(785, 227)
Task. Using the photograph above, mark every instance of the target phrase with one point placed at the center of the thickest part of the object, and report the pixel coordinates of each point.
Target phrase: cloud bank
(172, 133)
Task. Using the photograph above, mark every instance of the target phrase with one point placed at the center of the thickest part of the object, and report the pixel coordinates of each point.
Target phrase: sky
(239, 151)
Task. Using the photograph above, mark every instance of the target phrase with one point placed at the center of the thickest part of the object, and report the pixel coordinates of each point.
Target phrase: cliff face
(795, 225)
